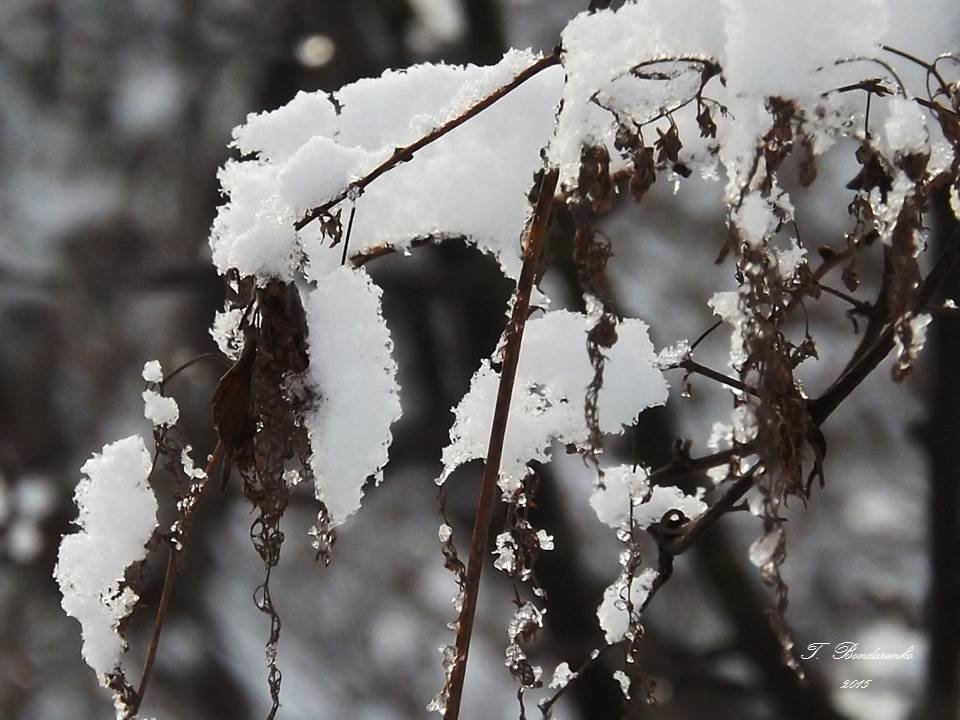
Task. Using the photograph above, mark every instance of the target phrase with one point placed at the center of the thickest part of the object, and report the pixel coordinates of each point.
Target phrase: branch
(166, 594)
(405, 153)
(532, 252)
(692, 367)
(824, 406)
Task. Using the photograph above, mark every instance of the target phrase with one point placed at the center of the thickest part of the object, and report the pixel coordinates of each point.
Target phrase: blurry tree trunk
(943, 437)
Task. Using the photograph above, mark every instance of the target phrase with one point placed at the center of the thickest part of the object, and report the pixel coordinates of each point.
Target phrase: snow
(549, 395)
(544, 540)
(117, 517)
(226, 332)
(756, 219)
(599, 50)
(160, 410)
(306, 153)
(787, 49)
(303, 187)
(918, 337)
(562, 676)
(612, 613)
(189, 469)
(623, 488)
(763, 549)
(354, 376)
(623, 681)
(790, 259)
(726, 305)
(627, 491)
(905, 129)
(506, 553)
(152, 372)
(673, 355)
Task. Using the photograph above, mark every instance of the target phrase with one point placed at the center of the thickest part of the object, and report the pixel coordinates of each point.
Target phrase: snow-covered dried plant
(654, 91)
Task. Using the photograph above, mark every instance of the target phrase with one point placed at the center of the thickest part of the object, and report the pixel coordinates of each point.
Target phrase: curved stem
(166, 595)
(532, 252)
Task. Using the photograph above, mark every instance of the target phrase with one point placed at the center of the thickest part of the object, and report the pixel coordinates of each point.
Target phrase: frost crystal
(118, 514)
(160, 410)
(548, 399)
(354, 376)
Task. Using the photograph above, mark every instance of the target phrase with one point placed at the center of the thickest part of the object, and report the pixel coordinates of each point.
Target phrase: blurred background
(114, 119)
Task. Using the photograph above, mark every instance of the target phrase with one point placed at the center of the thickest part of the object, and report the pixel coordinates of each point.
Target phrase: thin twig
(191, 362)
(166, 594)
(346, 241)
(705, 334)
(532, 252)
(405, 153)
(860, 305)
(693, 367)
(549, 701)
(822, 407)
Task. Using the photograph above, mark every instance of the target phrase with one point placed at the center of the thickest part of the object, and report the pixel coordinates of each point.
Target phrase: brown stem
(166, 594)
(859, 305)
(405, 153)
(532, 252)
(693, 367)
(822, 407)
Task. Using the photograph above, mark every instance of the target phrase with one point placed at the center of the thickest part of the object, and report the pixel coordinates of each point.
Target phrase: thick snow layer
(118, 514)
(549, 395)
(600, 49)
(471, 183)
(354, 376)
(792, 50)
(905, 129)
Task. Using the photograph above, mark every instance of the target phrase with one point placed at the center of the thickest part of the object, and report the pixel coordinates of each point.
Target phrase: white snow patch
(549, 396)
(162, 411)
(118, 514)
(354, 373)
(152, 372)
